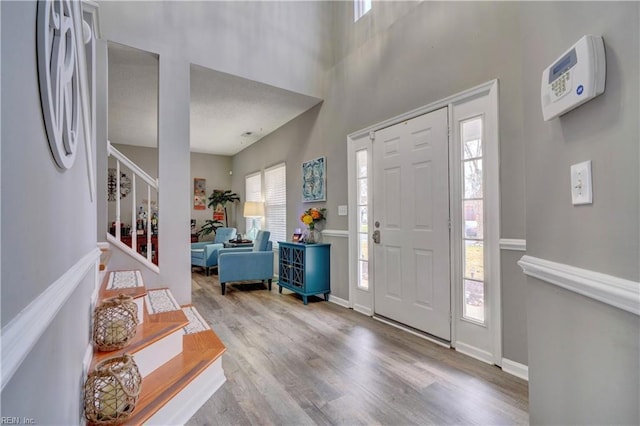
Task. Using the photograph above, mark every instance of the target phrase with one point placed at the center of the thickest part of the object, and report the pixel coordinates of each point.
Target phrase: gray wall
(583, 355)
(215, 169)
(284, 44)
(289, 48)
(48, 225)
(396, 59)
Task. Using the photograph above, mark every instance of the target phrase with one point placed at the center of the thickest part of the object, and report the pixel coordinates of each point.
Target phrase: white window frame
(262, 196)
(360, 300)
(271, 204)
(252, 194)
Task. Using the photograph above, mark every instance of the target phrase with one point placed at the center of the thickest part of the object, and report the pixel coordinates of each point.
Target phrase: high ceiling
(228, 113)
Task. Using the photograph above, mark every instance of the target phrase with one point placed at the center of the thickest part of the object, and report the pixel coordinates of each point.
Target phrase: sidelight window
(474, 286)
(363, 218)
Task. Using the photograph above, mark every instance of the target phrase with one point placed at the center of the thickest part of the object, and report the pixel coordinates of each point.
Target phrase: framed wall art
(199, 193)
(314, 180)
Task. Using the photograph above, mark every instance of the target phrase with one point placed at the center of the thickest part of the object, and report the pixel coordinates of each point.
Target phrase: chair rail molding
(335, 233)
(513, 244)
(619, 292)
(21, 334)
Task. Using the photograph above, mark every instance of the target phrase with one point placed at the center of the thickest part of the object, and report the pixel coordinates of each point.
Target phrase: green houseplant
(218, 198)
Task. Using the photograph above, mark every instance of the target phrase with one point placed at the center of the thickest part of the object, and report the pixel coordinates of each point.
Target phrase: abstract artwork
(314, 180)
(199, 193)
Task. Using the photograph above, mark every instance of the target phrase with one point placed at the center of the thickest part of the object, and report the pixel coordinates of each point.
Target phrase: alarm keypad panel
(576, 77)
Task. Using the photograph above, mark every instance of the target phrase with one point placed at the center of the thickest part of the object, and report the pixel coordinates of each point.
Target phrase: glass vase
(312, 236)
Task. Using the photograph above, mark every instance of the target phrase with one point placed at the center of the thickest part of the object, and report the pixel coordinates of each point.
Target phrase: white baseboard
(186, 403)
(515, 368)
(474, 352)
(363, 310)
(339, 301)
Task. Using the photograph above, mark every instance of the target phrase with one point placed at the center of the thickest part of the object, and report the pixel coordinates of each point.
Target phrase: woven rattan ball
(111, 391)
(114, 323)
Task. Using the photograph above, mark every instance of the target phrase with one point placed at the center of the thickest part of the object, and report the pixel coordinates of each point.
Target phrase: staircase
(177, 353)
(140, 241)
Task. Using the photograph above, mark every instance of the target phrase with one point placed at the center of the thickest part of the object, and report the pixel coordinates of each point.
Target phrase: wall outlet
(581, 185)
(342, 210)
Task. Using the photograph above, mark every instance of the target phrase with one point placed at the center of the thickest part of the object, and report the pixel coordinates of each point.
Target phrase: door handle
(376, 236)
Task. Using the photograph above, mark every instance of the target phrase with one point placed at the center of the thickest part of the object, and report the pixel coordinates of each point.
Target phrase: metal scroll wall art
(112, 183)
(62, 72)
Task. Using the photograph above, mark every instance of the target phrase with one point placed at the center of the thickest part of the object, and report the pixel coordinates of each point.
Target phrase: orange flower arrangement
(313, 216)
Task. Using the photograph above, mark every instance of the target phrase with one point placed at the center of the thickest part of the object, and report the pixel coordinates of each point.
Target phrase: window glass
(360, 8)
(253, 192)
(362, 180)
(275, 204)
(473, 256)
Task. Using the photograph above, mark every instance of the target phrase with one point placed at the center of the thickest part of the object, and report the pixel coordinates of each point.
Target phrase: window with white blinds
(275, 205)
(253, 191)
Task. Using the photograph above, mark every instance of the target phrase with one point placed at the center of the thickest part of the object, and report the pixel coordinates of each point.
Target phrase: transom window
(360, 8)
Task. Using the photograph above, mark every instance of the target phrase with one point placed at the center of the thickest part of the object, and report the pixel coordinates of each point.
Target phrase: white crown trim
(619, 292)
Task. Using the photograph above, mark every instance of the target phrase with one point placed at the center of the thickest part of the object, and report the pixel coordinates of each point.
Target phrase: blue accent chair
(247, 263)
(205, 254)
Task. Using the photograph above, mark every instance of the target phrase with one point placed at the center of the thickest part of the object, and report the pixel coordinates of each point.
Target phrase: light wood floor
(290, 364)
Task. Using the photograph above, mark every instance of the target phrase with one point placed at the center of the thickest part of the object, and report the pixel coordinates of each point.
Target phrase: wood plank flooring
(290, 364)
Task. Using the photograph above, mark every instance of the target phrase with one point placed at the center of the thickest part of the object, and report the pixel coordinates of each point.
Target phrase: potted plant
(209, 227)
(221, 198)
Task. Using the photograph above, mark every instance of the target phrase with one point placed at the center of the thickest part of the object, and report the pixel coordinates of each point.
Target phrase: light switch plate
(581, 185)
(342, 210)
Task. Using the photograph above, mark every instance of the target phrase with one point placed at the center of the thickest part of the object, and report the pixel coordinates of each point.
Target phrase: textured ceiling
(223, 107)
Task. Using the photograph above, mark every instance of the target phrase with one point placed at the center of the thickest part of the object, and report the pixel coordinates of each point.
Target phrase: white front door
(411, 216)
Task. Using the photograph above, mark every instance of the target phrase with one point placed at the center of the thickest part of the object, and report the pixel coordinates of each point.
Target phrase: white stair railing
(138, 175)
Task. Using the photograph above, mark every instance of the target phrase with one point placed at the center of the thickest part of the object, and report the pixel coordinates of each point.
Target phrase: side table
(305, 269)
(241, 243)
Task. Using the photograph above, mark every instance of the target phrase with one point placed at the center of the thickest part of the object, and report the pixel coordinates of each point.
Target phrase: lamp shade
(253, 209)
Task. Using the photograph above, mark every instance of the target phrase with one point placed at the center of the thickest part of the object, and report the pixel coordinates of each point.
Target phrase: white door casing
(482, 341)
(411, 204)
(362, 300)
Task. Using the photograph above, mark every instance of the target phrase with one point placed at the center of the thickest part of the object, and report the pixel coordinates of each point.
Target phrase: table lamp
(253, 210)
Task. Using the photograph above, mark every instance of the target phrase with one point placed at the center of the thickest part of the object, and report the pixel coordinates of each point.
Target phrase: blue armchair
(247, 263)
(205, 254)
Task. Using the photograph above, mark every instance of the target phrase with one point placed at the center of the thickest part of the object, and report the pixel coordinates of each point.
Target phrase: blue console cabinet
(305, 269)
